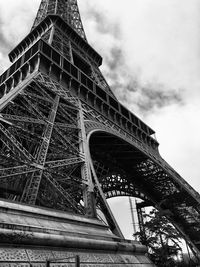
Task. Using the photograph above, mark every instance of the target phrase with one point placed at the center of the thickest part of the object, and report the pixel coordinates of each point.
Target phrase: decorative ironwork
(67, 9)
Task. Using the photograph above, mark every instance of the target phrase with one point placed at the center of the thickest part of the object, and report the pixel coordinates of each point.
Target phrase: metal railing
(76, 262)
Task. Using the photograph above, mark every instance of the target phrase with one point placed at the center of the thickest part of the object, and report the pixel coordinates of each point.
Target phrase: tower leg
(88, 192)
(105, 207)
(77, 261)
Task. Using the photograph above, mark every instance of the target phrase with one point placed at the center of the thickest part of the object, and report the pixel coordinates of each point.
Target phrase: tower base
(38, 237)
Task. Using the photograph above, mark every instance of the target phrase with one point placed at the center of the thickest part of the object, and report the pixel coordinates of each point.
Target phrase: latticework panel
(62, 44)
(67, 9)
(74, 53)
(40, 157)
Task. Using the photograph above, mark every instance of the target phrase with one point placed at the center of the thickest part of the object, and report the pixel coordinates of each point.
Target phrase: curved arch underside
(113, 160)
(124, 170)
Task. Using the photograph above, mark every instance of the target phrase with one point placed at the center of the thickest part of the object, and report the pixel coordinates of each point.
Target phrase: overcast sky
(151, 52)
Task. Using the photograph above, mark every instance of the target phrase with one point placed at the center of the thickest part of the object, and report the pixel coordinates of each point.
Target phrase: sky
(151, 52)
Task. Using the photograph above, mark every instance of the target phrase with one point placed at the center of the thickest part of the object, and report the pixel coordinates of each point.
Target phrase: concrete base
(33, 235)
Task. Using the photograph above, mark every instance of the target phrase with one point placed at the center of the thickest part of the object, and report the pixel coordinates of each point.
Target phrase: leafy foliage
(161, 238)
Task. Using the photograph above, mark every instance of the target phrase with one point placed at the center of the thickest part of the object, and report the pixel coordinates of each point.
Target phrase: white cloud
(17, 17)
(178, 130)
(162, 37)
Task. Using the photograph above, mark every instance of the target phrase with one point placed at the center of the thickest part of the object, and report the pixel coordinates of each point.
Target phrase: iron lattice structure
(67, 10)
(67, 143)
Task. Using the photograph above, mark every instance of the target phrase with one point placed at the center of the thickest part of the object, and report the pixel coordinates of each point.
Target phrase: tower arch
(106, 151)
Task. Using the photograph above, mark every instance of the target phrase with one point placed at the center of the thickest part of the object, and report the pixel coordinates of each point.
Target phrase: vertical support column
(105, 207)
(88, 191)
(70, 53)
(51, 35)
(56, 7)
(77, 261)
(141, 222)
(132, 216)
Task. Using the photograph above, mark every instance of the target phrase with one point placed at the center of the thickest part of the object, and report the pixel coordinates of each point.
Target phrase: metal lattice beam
(67, 9)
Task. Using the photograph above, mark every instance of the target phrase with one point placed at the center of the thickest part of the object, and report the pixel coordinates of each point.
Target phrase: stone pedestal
(29, 236)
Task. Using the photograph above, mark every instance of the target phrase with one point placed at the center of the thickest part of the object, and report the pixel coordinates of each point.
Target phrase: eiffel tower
(67, 144)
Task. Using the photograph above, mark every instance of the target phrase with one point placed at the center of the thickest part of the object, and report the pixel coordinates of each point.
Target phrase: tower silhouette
(67, 144)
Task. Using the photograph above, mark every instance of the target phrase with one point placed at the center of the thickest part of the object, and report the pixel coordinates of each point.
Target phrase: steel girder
(67, 9)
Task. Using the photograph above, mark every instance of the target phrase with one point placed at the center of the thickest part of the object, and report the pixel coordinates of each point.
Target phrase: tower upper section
(67, 9)
(58, 47)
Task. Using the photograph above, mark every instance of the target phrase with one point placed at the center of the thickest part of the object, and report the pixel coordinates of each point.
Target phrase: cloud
(178, 131)
(4, 43)
(103, 24)
(144, 95)
(16, 18)
(155, 97)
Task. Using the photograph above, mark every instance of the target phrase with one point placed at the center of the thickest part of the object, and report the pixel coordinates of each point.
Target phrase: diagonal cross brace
(64, 193)
(32, 187)
(107, 211)
(63, 138)
(13, 171)
(16, 144)
(7, 118)
(6, 99)
(63, 162)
